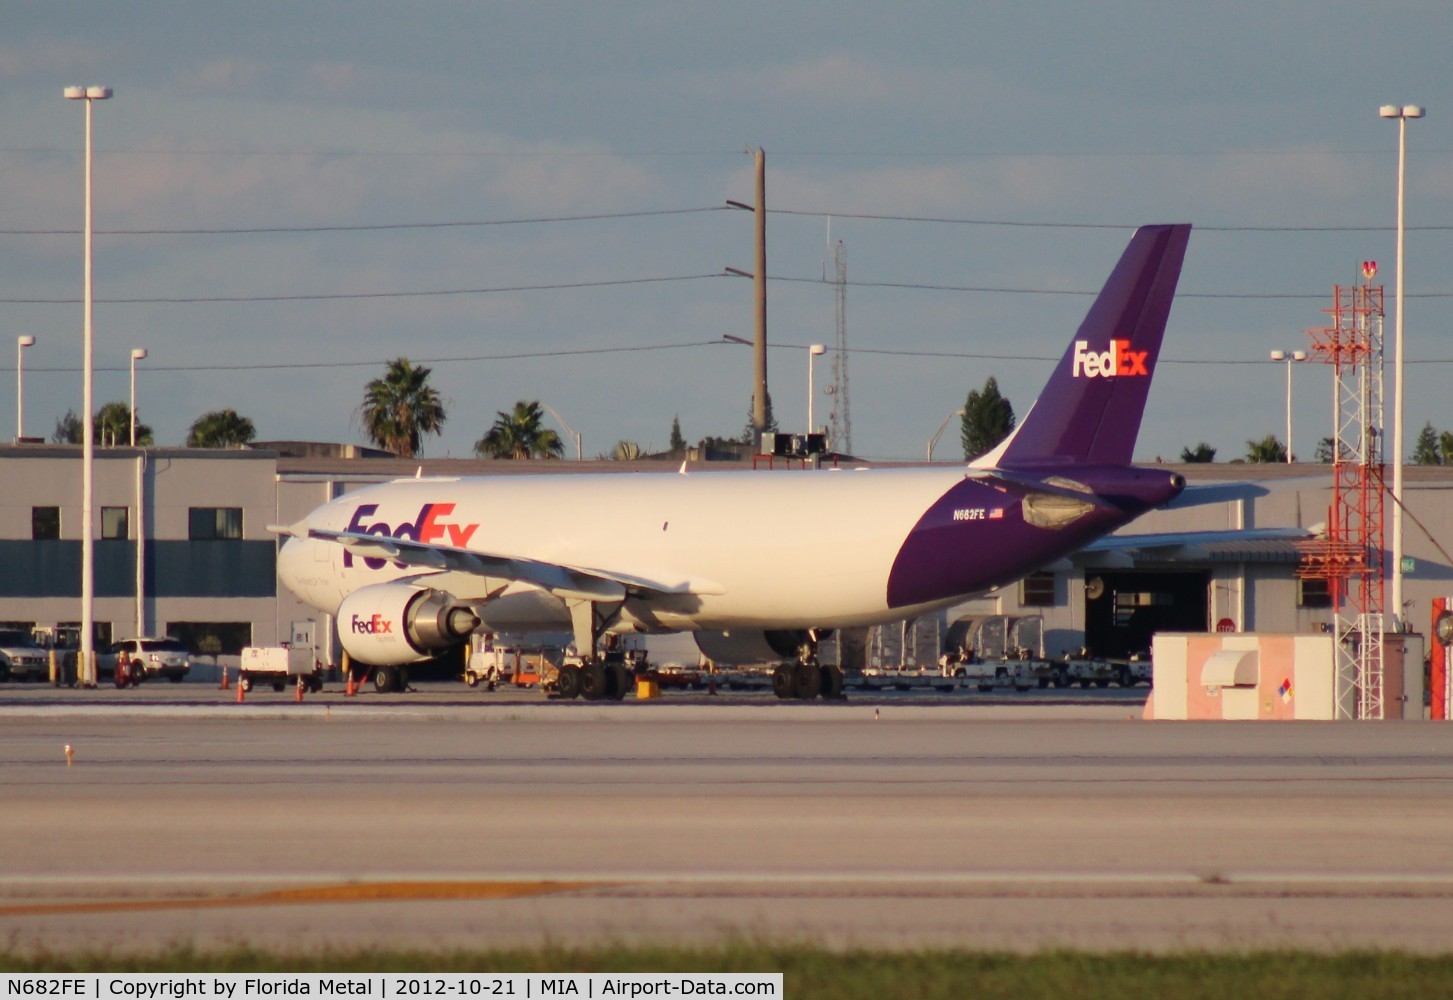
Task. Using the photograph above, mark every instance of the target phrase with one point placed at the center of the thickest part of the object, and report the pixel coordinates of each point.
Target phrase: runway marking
(353, 892)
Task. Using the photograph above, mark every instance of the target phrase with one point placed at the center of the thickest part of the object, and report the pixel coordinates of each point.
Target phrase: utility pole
(759, 288)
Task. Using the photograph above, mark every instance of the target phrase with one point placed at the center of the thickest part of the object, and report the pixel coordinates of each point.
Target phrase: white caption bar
(392, 986)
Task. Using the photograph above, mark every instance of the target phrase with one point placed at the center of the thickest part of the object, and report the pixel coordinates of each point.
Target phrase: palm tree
(220, 429)
(1201, 453)
(519, 434)
(401, 407)
(1268, 449)
(113, 426)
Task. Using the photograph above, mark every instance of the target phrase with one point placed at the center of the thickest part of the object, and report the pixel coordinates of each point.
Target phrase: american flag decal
(996, 513)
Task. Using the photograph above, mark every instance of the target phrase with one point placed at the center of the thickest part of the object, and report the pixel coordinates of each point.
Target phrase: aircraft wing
(1182, 539)
(573, 582)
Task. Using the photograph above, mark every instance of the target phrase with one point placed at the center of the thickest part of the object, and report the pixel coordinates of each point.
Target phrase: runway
(435, 820)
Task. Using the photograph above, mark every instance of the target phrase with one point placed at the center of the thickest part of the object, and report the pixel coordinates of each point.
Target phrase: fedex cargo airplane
(773, 558)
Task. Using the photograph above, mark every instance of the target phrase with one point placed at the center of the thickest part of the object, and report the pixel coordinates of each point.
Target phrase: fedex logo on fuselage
(1119, 360)
(432, 526)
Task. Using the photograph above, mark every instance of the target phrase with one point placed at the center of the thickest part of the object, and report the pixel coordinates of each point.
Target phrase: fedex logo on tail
(1118, 361)
(433, 525)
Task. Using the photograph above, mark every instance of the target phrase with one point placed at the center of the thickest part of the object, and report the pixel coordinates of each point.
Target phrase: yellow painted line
(352, 892)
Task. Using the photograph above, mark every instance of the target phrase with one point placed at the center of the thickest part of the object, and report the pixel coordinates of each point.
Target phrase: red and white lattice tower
(1350, 556)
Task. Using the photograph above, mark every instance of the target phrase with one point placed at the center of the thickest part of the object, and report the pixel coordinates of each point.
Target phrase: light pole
(87, 669)
(933, 441)
(813, 351)
(137, 353)
(1402, 113)
(1289, 357)
(22, 342)
(579, 451)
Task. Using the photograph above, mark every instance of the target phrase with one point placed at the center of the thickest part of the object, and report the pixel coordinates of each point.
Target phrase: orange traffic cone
(241, 690)
(350, 689)
(299, 695)
(225, 683)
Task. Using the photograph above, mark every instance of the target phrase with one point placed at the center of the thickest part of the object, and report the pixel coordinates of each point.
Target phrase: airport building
(206, 573)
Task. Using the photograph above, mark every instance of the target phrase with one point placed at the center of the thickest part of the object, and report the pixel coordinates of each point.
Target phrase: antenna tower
(841, 425)
(1350, 556)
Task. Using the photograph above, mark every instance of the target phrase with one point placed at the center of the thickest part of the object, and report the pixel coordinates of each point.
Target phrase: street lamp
(933, 441)
(1402, 113)
(1289, 357)
(87, 671)
(813, 351)
(579, 451)
(22, 342)
(137, 353)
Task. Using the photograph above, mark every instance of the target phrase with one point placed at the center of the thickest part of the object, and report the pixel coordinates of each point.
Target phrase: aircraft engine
(741, 647)
(390, 624)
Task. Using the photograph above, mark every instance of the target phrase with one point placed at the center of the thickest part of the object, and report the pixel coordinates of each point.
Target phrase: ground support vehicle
(1088, 671)
(21, 658)
(280, 667)
(161, 656)
(904, 679)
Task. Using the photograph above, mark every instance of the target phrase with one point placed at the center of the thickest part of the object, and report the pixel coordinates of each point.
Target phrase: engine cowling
(741, 647)
(390, 624)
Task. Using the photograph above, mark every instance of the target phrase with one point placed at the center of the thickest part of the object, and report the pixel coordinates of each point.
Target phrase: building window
(1037, 591)
(115, 522)
(45, 523)
(212, 638)
(1313, 593)
(205, 523)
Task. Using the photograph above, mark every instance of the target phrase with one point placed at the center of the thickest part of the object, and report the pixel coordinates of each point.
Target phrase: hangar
(207, 568)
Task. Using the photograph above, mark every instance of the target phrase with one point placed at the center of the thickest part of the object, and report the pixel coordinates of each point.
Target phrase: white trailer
(279, 666)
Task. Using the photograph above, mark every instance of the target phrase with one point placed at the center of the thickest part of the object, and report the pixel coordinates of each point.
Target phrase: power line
(369, 227)
(335, 296)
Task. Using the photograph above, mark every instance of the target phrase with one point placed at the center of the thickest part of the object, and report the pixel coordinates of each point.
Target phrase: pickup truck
(20, 658)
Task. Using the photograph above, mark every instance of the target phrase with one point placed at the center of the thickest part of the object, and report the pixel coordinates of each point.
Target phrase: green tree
(1426, 450)
(220, 429)
(988, 419)
(68, 429)
(1326, 451)
(748, 433)
(1445, 447)
(1201, 453)
(520, 433)
(678, 443)
(1268, 449)
(112, 427)
(401, 407)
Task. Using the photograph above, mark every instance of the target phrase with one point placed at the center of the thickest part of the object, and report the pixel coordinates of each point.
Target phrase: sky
(529, 198)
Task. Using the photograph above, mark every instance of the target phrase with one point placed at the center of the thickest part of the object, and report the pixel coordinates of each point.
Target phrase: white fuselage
(719, 550)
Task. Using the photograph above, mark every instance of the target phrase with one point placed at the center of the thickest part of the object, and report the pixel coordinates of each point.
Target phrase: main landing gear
(604, 676)
(807, 679)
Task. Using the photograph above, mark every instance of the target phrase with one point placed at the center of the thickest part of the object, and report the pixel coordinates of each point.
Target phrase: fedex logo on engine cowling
(1118, 361)
(376, 625)
(432, 526)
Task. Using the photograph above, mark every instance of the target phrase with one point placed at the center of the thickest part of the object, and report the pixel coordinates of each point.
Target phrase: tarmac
(455, 818)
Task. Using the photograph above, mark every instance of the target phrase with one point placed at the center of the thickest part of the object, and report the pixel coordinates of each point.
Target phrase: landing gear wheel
(832, 683)
(383, 680)
(809, 681)
(568, 683)
(619, 681)
(784, 682)
(593, 682)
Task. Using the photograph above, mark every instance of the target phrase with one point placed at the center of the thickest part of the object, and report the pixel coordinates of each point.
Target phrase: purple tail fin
(1090, 410)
